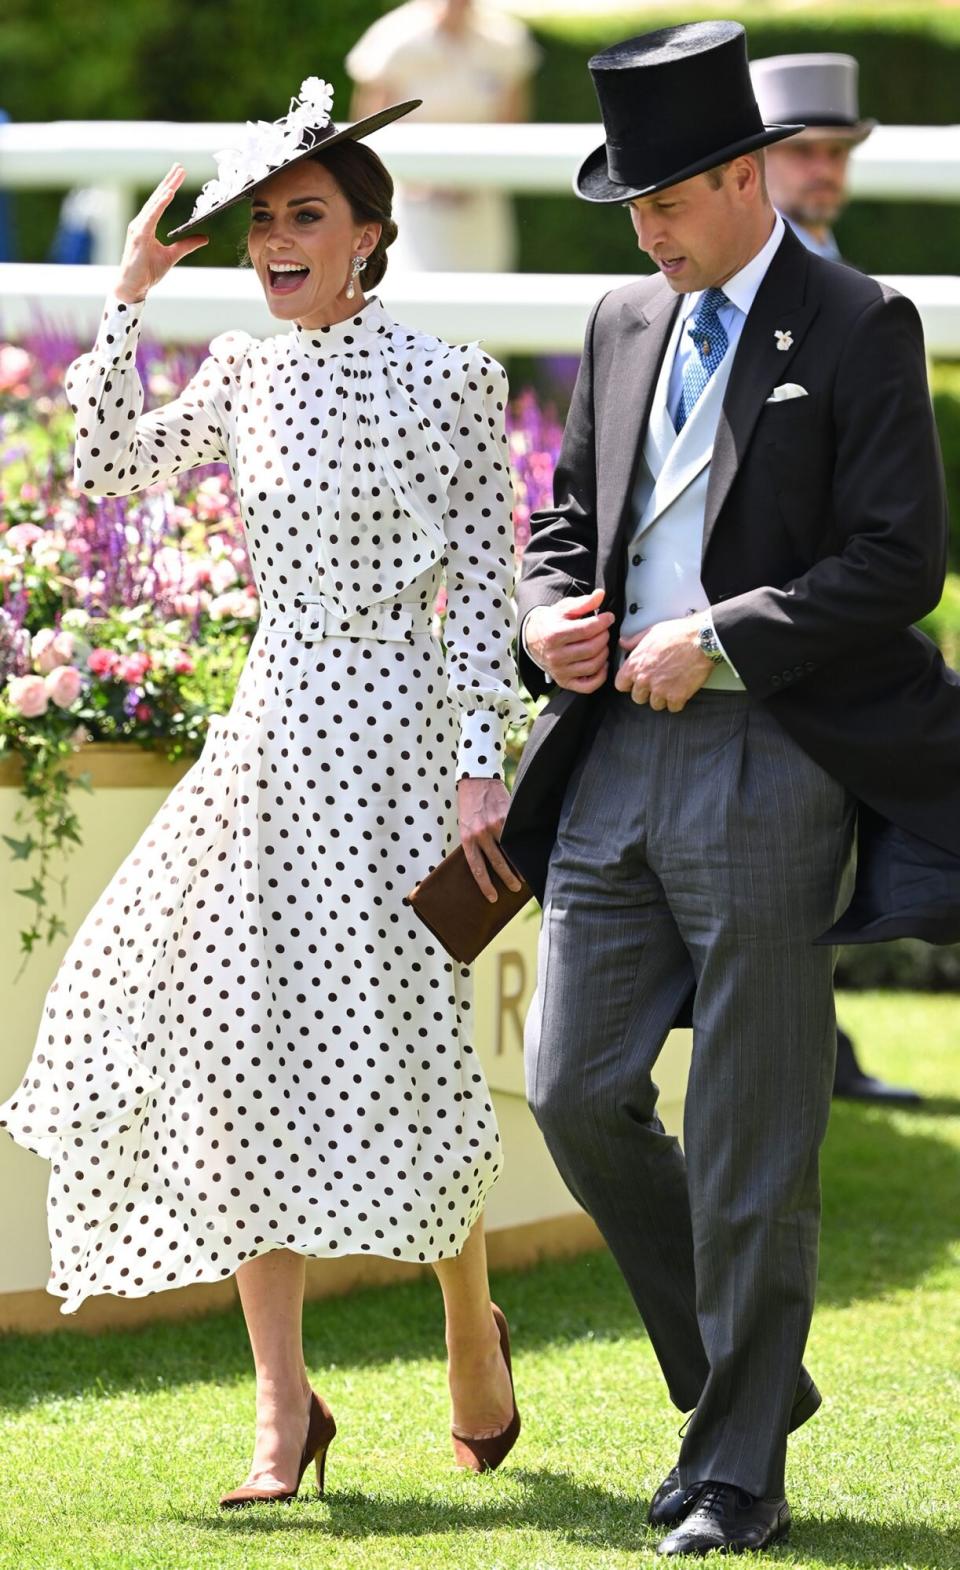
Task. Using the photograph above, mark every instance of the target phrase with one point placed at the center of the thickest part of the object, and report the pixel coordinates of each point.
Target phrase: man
(807, 174)
(807, 182)
(748, 517)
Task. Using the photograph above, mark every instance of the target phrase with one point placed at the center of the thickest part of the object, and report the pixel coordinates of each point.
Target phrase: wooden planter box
(530, 1213)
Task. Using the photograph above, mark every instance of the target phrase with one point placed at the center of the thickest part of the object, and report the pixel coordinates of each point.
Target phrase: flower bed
(128, 620)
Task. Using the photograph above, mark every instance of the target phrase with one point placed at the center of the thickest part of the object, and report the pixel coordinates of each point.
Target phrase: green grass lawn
(115, 1448)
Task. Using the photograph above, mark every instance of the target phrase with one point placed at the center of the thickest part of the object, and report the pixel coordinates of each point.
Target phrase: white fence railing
(124, 157)
(898, 161)
(510, 312)
(520, 312)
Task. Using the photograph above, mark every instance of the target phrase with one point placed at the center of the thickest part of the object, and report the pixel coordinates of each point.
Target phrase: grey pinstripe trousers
(702, 845)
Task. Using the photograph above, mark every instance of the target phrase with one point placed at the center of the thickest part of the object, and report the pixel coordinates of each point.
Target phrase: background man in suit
(807, 182)
(807, 174)
(748, 517)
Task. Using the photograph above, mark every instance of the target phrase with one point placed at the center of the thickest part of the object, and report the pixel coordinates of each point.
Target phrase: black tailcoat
(824, 539)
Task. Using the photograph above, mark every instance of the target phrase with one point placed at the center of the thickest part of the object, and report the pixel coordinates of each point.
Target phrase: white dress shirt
(741, 291)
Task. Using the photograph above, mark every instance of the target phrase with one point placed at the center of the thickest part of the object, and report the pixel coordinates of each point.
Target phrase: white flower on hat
(318, 95)
(211, 195)
(266, 145)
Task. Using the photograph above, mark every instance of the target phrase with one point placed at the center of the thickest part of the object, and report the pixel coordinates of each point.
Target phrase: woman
(251, 1052)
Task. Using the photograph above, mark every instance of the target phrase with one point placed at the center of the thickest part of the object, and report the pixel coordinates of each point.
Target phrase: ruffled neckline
(352, 336)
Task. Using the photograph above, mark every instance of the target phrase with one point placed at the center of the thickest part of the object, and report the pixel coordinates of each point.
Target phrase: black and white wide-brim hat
(272, 145)
(674, 103)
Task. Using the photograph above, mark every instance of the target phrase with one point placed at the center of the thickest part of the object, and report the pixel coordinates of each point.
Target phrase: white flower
(75, 619)
(318, 95)
(266, 145)
(212, 194)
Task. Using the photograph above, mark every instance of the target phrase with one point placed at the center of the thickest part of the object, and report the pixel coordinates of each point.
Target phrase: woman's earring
(356, 268)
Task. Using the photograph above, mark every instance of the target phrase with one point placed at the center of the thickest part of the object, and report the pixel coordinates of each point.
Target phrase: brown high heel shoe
(484, 1455)
(320, 1432)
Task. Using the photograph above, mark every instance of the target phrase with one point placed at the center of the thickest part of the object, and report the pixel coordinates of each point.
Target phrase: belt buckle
(313, 619)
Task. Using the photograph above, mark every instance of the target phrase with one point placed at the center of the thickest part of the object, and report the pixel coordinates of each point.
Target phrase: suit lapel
(661, 432)
(758, 366)
(642, 336)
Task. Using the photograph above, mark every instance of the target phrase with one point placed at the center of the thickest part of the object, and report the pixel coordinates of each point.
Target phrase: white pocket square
(787, 390)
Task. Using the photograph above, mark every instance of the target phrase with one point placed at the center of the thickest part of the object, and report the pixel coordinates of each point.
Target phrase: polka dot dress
(251, 1043)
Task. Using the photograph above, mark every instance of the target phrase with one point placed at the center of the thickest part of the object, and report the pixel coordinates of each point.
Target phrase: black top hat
(674, 103)
(270, 146)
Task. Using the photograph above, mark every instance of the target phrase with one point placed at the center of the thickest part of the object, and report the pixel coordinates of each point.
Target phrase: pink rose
(183, 665)
(190, 604)
(29, 696)
(15, 367)
(143, 712)
(133, 667)
(49, 649)
(235, 603)
(170, 566)
(222, 575)
(102, 662)
(22, 536)
(63, 685)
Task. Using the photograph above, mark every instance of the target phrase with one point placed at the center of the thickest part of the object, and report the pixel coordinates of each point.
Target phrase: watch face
(708, 642)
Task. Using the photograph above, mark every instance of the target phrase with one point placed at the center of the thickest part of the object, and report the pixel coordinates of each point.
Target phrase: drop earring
(356, 268)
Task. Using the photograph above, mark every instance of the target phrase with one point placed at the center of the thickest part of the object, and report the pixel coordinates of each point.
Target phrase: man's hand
(571, 640)
(482, 806)
(665, 667)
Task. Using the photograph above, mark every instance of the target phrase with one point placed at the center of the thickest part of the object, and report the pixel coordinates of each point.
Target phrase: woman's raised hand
(146, 259)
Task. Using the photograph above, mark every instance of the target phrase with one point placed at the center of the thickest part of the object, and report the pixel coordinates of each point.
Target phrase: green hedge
(165, 60)
(184, 60)
(906, 963)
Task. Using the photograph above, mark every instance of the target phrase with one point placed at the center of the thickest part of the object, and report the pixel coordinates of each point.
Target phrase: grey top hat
(819, 89)
(675, 103)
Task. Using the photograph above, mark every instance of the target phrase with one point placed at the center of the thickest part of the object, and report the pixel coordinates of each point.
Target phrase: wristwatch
(708, 643)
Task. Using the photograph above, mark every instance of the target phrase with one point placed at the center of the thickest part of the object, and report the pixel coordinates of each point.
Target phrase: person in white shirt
(469, 63)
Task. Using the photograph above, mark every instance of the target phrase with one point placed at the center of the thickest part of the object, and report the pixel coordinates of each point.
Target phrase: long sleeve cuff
(117, 335)
(548, 679)
(480, 752)
(708, 617)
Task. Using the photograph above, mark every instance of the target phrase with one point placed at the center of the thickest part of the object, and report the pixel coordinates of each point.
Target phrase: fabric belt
(309, 620)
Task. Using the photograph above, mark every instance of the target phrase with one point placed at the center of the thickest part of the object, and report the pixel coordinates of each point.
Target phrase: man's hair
(715, 176)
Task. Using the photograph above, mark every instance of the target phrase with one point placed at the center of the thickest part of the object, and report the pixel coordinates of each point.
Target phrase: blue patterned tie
(710, 344)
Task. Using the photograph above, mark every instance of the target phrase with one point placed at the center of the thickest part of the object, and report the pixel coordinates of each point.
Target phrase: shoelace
(721, 1500)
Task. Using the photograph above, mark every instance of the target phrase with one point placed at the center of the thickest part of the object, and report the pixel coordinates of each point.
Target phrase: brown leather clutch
(450, 903)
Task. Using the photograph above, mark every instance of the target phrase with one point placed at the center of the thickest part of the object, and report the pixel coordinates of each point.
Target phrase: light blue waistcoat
(669, 500)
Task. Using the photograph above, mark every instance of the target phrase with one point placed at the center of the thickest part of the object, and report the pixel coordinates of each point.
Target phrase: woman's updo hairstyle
(368, 187)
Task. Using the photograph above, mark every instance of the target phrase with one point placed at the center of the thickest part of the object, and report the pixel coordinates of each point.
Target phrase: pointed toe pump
(485, 1455)
(321, 1429)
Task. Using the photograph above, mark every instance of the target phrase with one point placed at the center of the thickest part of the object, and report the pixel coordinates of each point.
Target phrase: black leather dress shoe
(850, 1083)
(865, 1087)
(672, 1502)
(728, 1521)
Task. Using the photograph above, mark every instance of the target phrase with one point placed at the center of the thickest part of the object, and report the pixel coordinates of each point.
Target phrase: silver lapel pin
(784, 339)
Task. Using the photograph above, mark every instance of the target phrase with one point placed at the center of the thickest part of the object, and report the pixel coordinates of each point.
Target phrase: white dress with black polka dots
(251, 1042)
